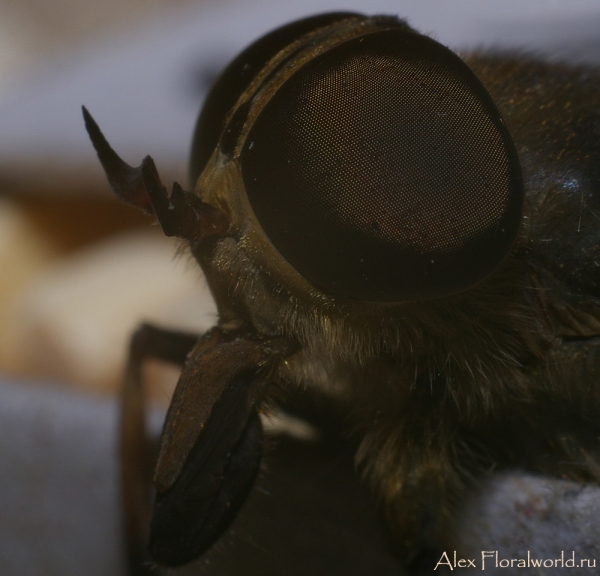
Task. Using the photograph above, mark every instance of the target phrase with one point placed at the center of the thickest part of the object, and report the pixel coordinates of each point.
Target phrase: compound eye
(381, 170)
(237, 77)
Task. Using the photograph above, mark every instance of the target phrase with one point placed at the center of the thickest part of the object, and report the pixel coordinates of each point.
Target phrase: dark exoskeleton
(412, 236)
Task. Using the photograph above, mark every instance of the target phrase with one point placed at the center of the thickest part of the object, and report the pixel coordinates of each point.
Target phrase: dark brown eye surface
(381, 170)
(237, 77)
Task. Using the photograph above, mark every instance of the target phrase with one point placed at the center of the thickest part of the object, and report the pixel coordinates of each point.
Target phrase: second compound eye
(381, 170)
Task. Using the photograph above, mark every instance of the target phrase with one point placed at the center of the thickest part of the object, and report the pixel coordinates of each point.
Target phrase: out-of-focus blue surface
(58, 476)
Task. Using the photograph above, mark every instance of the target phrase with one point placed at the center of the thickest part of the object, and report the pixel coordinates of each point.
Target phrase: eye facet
(238, 76)
(381, 170)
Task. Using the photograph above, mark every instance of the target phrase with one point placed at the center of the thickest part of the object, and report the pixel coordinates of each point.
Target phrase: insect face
(357, 202)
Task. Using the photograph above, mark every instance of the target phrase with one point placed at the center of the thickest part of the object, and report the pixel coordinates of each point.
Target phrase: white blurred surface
(72, 321)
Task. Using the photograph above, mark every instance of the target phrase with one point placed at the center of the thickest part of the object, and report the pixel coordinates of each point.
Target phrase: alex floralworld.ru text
(491, 559)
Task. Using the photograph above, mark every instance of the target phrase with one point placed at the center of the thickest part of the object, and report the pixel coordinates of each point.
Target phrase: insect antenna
(181, 213)
(125, 180)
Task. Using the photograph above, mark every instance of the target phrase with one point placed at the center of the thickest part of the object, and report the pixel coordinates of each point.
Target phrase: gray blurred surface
(58, 503)
(522, 516)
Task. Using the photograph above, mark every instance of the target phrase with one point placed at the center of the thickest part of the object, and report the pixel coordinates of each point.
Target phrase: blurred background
(79, 270)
